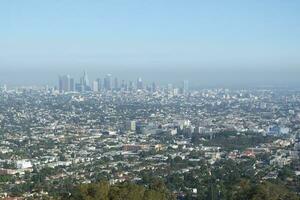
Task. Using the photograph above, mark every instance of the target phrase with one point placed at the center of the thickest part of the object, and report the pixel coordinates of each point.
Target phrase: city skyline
(67, 83)
(209, 78)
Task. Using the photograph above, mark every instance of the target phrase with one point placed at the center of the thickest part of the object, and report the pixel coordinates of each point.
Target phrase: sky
(211, 43)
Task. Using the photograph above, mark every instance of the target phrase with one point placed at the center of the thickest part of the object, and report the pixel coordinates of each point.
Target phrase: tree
(122, 191)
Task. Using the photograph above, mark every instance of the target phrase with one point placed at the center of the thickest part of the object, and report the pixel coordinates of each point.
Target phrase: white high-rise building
(185, 89)
(132, 125)
(95, 86)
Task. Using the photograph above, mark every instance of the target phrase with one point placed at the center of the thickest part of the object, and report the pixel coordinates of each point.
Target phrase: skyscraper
(116, 84)
(153, 87)
(108, 82)
(79, 87)
(85, 79)
(4, 88)
(60, 84)
(99, 84)
(64, 83)
(72, 85)
(95, 86)
(139, 83)
(170, 88)
(123, 85)
(185, 89)
(130, 86)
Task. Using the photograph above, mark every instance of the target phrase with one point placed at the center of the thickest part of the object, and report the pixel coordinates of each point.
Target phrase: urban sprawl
(119, 131)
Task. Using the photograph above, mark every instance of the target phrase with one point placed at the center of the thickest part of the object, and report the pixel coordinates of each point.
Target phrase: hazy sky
(209, 42)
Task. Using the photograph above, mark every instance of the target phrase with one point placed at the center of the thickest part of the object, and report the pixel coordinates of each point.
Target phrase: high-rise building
(123, 85)
(139, 83)
(116, 84)
(95, 86)
(130, 86)
(60, 84)
(99, 84)
(85, 79)
(132, 125)
(72, 85)
(108, 82)
(79, 87)
(170, 88)
(153, 87)
(175, 91)
(185, 89)
(4, 88)
(64, 83)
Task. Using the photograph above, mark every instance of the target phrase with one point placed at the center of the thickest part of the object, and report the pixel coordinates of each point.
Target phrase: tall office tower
(95, 86)
(4, 88)
(153, 87)
(99, 84)
(175, 91)
(108, 82)
(67, 83)
(130, 86)
(60, 84)
(79, 87)
(126, 86)
(139, 83)
(185, 89)
(123, 85)
(85, 79)
(170, 88)
(64, 83)
(116, 84)
(72, 84)
(148, 88)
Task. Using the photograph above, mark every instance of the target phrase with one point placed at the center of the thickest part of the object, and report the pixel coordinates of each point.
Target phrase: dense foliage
(128, 191)
(230, 140)
(105, 191)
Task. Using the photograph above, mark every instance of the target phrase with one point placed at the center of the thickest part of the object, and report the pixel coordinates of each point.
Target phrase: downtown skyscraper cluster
(67, 83)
